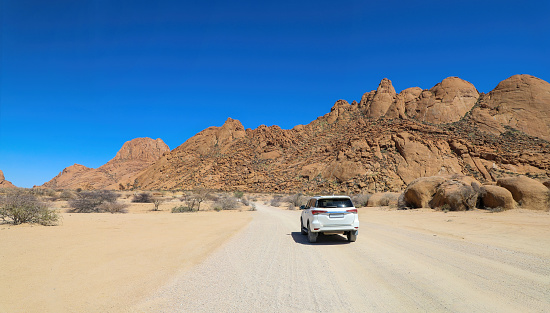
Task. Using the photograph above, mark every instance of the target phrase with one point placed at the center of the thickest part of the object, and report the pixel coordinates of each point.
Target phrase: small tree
(201, 194)
(157, 203)
(189, 199)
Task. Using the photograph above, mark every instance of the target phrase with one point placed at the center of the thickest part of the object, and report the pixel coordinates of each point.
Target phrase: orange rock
(134, 156)
(521, 102)
(4, 183)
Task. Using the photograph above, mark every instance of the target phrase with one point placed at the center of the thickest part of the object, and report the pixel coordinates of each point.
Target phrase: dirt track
(270, 267)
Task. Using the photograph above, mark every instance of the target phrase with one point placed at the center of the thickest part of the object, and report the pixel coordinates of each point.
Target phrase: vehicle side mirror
(302, 207)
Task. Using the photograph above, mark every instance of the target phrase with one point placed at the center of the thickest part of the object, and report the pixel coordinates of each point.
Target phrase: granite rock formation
(134, 156)
(380, 144)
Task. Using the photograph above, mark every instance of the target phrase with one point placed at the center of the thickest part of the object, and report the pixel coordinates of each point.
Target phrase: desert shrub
(21, 206)
(276, 201)
(143, 197)
(388, 199)
(245, 201)
(66, 195)
(497, 209)
(291, 206)
(43, 192)
(226, 203)
(182, 209)
(91, 201)
(360, 200)
(238, 194)
(253, 207)
(402, 203)
(296, 200)
(113, 207)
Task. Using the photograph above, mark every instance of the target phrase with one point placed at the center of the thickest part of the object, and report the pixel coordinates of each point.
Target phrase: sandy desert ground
(415, 261)
(102, 262)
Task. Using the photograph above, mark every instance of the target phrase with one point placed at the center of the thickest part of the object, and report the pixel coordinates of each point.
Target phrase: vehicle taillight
(315, 212)
(352, 211)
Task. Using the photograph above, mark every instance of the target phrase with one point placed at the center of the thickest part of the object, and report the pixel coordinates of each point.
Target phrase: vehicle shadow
(323, 240)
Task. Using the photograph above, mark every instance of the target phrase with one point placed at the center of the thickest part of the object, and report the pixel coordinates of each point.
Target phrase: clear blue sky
(79, 78)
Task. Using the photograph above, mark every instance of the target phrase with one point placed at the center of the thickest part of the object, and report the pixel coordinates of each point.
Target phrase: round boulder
(528, 193)
(493, 197)
(419, 192)
(456, 195)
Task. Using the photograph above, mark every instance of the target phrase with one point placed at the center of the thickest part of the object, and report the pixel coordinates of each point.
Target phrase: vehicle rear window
(334, 203)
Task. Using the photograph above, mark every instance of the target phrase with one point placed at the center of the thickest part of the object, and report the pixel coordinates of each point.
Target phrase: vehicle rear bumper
(318, 228)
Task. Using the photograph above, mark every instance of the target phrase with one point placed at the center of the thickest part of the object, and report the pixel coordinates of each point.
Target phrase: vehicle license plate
(337, 215)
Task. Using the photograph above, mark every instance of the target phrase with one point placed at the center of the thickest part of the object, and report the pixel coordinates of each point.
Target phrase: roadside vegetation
(18, 206)
(43, 205)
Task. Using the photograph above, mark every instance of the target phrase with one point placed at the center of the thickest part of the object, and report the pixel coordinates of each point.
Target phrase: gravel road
(270, 267)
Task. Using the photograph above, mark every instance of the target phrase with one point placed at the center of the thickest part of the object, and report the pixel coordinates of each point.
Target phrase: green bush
(19, 207)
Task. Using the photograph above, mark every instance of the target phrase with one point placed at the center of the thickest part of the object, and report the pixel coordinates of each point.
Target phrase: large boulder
(459, 194)
(446, 102)
(419, 192)
(528, 193)
(384, 199)
(493, 197)
(520, 102)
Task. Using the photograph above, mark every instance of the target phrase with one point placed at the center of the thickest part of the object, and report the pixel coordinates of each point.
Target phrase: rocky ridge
(134, 156)
(382, 143)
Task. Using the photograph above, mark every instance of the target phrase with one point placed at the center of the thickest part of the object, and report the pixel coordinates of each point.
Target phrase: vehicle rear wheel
(352, 235)
(311, 236)
(302, 229)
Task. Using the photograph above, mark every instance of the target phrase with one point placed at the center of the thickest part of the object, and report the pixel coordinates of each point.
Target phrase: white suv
(329, 215)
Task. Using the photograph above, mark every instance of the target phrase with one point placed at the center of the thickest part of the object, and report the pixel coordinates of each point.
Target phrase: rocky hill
(134, 156)
(4, 183)
(381, 143)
